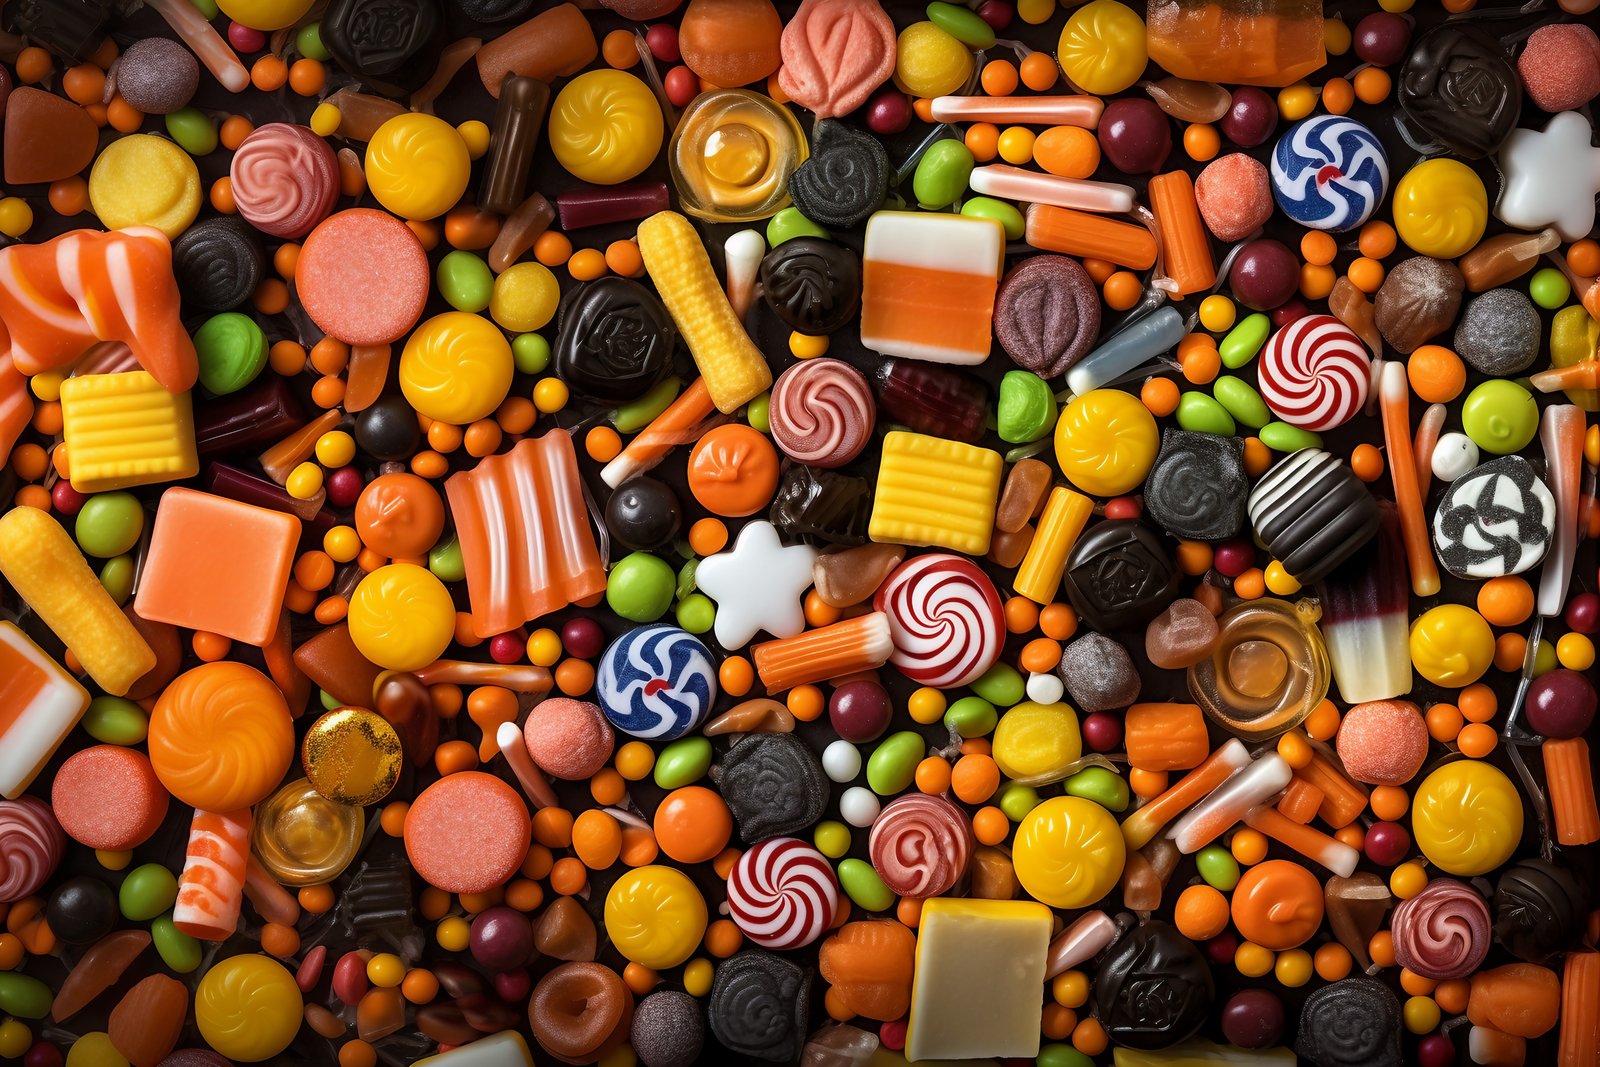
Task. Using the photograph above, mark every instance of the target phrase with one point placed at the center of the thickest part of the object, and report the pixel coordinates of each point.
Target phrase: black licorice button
(1120, 573)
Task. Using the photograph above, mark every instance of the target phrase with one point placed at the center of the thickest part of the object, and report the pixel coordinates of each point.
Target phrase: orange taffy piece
(1166, 737)
(868, 966)
(1247, 44)
(1521, 999)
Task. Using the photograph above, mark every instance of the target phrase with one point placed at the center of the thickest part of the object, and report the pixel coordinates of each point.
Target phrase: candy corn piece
(1569, 779)
(1342, 799)
(1078, 233)
(505, 1049)
(1166, 737)
(1395, 404)
(1314, 845)
(211, 888)
(928, 285)
(683, 422)
(1185, 247)
(124, 430)
(46, 569)
(1580, 1023)
(932, 491)
(1229, 803)
(859, 644)
(730, 364)
(39, 705)
(1039, 575)
(1143, 825)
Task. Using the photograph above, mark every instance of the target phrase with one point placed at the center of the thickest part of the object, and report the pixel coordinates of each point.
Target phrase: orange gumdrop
(730, 43)
(399, 515)
(1522, 999)
(221, 737)
(1278, 904)
(868, 965)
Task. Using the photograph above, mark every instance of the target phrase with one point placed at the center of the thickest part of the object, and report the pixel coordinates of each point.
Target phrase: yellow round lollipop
(1440, 208)
(248, 1008)
(401, 617)
(655, 916)
(144, 180)
(456, 368)
(605, 127)
(1467, 818)
(417, 166)
(1068, 852)
(1106, 442)
(1451, 645)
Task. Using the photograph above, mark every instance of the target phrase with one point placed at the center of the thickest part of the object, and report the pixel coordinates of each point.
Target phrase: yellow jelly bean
(930, 62)
(1102, 47)
(605, 127)
(525, 297)
(1106, 442)
(655, 916)
(1467, 818)
(456, 367)
(144, 180)
(248, 1008)
(417, 166)
(1440, 208)
(1068, 852)
(401, 617)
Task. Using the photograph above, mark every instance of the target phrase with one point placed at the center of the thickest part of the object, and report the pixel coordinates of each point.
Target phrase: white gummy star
(757, 585)
(1552, 176)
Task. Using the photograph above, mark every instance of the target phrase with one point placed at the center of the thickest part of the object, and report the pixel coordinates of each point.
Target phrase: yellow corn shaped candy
(730, 364)
(935, 492)
(124, 430)
(46, 569)
(1039, 575)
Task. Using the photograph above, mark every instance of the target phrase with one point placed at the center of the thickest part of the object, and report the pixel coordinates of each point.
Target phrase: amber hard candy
(730, 43)
(579, 1012)
(47, 138)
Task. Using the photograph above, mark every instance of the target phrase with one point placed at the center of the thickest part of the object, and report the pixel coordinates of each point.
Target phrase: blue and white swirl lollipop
(1329, 173)
(656, 682)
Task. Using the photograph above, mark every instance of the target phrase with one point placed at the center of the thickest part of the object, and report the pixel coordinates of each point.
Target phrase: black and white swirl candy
(1496, 519)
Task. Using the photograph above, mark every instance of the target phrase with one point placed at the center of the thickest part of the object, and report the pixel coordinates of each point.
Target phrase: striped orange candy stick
(211, 889)
(859, 644)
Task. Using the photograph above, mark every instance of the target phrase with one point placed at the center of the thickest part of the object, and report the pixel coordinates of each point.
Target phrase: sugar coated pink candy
(1383, 742)
(1560, 67)
(568, 738)
(1235, 196)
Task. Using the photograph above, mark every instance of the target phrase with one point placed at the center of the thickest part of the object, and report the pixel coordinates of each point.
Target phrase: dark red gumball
(1251, 117)
(45, 1054)
(1583, 613)
(860, 711)
(1253, 1018)
(1387, 843)
(996, 14)
(893, 1035)
(1220, 949)
(1123, 507)
(1561, 704)
(1293, 311)
(513, 985)
(1265, 274)
(502, 938)
(1381, 38)
(1102, 732)
(681, 86)
(888, 112)
(344, 487)
(1435, 1050)
(662, 40)
(1233, 558)
(65, 499)
(1135, 135)
(582, 637)
(506, 648)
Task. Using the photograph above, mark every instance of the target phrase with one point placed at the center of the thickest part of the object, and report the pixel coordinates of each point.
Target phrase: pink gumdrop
(568, 738)
(1560, 67)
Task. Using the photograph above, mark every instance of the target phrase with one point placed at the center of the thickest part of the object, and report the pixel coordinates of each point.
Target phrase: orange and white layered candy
(928, 285)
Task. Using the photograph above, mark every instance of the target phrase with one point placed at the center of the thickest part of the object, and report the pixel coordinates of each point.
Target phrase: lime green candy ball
(640, 587)
(1500, 416)
(109, 524)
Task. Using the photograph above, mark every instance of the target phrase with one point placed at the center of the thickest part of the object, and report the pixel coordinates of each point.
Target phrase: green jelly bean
(696, 613)
(832, 838)
(193, 130)
(26, 997)
(637, 414)
(148, 891)
(640, 587)
(308, 42)
(232, 350)
(1001, 685)
(1017, 800)
(686, 578)
(942, 174)
(531, 354)
(116, 721)
(109, 524)
(1007, 215)
(683, 762)
(893, 763)
(208, 8)
(328, 701)
(1062, 1056)
(1244, 341)
(788, 224)
(446, 562)
(117, 578)
(1218, 867)
(963, 24)
(1500, 417)
(862, 884)
(758, 413)
(971, 717)
(178, 950)
(1026, 409)
(1202, 414)
(1549, 288)
(465, 281)
(1105, 788)
(1281, 437)
(1242, 401)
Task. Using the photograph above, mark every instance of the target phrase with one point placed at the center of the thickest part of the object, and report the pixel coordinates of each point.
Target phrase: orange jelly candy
(1278, 905)
(868, 967)
(221, 736)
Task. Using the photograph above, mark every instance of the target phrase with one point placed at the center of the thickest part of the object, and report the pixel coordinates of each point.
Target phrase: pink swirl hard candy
(782, 894)
(1443, 931)
(945, 620)
(822, 412)
(920, 845)
(31, 846)
(1315, 373)
(285, 180)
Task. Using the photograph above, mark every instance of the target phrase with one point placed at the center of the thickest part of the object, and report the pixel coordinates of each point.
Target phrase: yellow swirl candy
(1451, 645)
(417, 166)
(402, 617)
(248, 1008)
(1069, 852)
(145, 180)
(1106, 442)
(605, 127)
(655, 916)
(456, 368)
(1467, 818)
(1034, 743)
(1440, 208)
(1102, 47)
(265, 15)
(930, 62)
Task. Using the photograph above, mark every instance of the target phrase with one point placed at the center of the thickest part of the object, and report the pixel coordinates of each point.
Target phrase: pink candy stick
(271, 901)
(534, 784)
(1426, 440)
(1041, 110)
(1014, 183)
(1081, 941)
(187, 22)
(1229, 802)
(518, 677)
(1561, 432)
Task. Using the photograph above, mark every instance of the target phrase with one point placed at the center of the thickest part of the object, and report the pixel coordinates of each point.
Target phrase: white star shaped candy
(1552, 176)
(757, 585)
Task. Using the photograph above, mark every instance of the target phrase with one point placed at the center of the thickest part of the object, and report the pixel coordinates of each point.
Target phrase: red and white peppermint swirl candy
(1315, 373)
(31, 846)
(782, 894)
(944, 618)
(822, 412)
(1443, 931)
(920, 845)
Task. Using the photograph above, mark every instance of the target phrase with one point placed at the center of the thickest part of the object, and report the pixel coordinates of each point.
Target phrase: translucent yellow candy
(1069, 852)
(605, 127)
(935, 492)
(1451, 645)
(930, 62)
(1440, 208)
(525, 297)
(402, 617)
(1106, 442)
(1102, 47)
(143, 180)
(456, 367)
(1467, 818)
(655, 916)
(1034, 744)
(248, 1008)
(267, 15)
(417, 166)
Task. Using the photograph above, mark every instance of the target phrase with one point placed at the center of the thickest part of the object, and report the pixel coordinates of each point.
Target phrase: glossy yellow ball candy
(525, 297)
(456, 367)
(1102, 47)
(1068, 852)
(605, 127)
(655, 916)
(143, 180)
(1440, 208)
(1106, 442)
(1035, 743)
(930, 62)
(417, 166)
(1466, 818)
(248, 1008)
(402, 617)
(1451, 645)
(266, 15)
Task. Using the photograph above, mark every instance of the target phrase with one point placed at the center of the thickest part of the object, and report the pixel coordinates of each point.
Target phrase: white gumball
(1453, 456)
(842, 761)
(1045, 688)
(859, 806)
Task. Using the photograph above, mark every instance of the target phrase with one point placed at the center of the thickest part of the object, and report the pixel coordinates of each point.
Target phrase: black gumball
(1253, 1018)
(82, 910)
(643, 514)
(1251, 117)
(1382, 38)
(1135, 135)
(1265, 274)
(388, 429)
(1561, 704)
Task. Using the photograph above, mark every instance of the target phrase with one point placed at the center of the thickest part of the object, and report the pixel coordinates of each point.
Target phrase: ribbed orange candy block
(1569, 777)
(859, 644)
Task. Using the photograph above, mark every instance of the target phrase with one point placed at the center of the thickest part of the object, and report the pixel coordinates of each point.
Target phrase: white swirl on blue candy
(1329, 173)
(656, 682)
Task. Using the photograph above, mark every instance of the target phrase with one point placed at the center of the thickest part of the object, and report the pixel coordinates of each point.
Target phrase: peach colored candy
(1522, 999)
(221, 736)
(467, 833)
(835, 53)
(868, 966)
(363, 277)
(730, 43)
(551, 45)
(146, 1024)
(108, 797)
(580, 1012)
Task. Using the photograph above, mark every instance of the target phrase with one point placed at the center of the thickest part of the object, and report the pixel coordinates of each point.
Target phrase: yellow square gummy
(932, 491)
(124, 430)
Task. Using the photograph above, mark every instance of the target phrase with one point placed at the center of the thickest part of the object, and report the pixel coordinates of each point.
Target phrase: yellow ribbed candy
(932, 491)
(248, 1008)
(402, 617)
(417, 166)
(1440, 208)
(1069, 852)
(1106, 442)
(605, 127)
(1451, 645)
(655, 916)
(1467, 818)
(456, 367)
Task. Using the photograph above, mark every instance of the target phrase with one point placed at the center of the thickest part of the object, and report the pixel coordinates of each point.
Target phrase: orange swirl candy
(221, 737)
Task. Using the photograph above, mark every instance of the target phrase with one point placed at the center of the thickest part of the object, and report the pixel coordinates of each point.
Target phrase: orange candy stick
(16, 403)
(1144, 824)
(211, 889)
(278, 655)
(1423, 444)
(1185, 248)
(1580, 1023)
(1569, 780)
(859, 644)
(517, 677)
(1395, 403)
(1561, 432)
(1342, 799)
(1078, 233)
(683, 421)
(1314, 845)
(1166, 737)
(1300, 802)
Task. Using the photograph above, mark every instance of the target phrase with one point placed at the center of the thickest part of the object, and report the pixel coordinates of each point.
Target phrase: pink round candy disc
(31, 846)
(1383, 742)
(945, 619)
(1315, 373)
(782, 894)
(108, 797)
(822, 412)
(467, 832)
(920, 845)
(363, 277)
(285, 180)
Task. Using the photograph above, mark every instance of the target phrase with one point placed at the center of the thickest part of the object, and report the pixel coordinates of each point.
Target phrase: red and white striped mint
(1315, 373)
(944, 618)
(782, 894)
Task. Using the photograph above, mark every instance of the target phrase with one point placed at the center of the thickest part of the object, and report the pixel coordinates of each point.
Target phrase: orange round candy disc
(468, 832)
(107, 797)
(1278, 905)
(221, 737)
(693, 824)
(363, 277)
(733, 470)
(399, 515)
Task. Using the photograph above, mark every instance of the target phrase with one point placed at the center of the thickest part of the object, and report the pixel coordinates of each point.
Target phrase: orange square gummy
(217, 565)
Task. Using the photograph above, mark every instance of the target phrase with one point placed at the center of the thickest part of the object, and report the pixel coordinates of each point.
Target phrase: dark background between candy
(466, 99)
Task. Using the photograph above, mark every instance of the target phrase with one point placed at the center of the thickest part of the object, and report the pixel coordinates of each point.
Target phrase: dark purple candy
(1135, 135)
(1102, 732)
(888, 112)
(1381, 38)
(859, 711)
(1561, 704)
(1047, 314)
(1220, 949)
(502, 938)
(1251, 117)
(1253, 1018)
(194, 1057)
(1265, 274)
(934, 400)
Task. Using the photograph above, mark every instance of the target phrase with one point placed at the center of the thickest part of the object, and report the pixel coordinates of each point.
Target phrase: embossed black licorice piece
(760, 1004)
(814, 286)
(1459, 86)
(844, 181)
(72, 29)
(390, 45)
(1312, 513)
(1539, 910)
(1047, 314)
(218, 263)
(1153, 988)
(1496, 519)
(1355, 1022)
(614, 342)
(1121, 573)
(1197, 489)
(494, 10)
(773, 784)
(821, 506)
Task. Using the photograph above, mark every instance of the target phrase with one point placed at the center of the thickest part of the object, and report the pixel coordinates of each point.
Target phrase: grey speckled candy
(1099, 674)
(668, 1030)
(1499, 332)
(157, 75)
